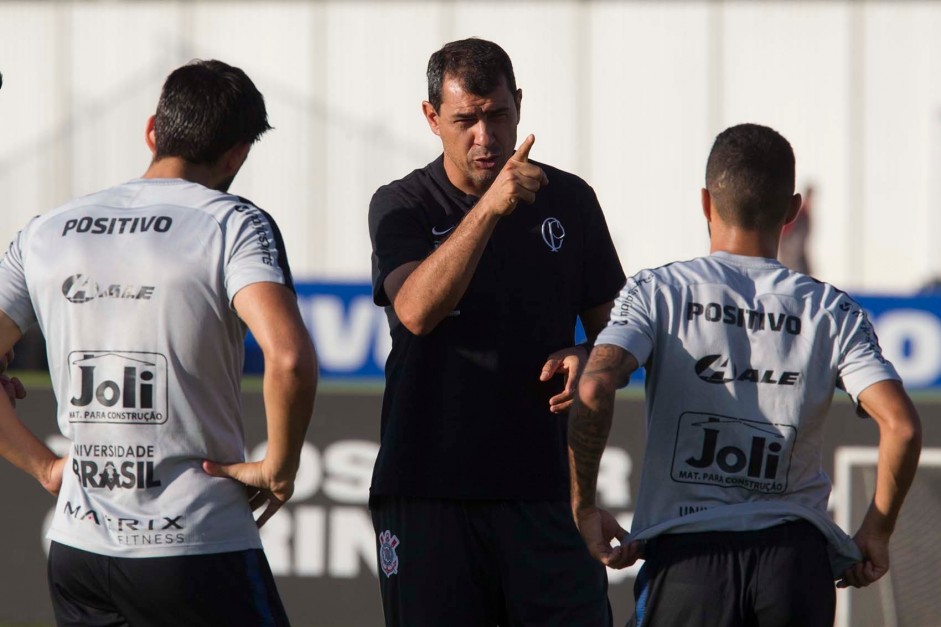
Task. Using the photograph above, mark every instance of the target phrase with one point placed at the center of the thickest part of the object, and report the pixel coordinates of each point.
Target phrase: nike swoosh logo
(435, 231)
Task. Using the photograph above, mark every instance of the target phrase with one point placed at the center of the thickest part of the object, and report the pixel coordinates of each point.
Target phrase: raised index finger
(522, 153)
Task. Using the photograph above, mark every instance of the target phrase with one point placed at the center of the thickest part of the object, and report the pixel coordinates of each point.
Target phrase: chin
(485, 177)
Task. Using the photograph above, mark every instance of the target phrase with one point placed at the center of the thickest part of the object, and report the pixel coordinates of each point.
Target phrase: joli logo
(732, 452)
(119, 387)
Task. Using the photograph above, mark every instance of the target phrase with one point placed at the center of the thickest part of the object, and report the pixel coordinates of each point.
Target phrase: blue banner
(352, 334)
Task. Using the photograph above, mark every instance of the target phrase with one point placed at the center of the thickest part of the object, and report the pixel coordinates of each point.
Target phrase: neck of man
(179, 168)
(461, 181)
(746, 242)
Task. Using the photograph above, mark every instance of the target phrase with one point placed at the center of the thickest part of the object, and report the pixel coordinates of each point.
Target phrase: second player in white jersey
(738, 389)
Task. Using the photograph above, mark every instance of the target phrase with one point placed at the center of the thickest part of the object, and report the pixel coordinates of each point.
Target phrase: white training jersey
(132, 289)
(742, 357)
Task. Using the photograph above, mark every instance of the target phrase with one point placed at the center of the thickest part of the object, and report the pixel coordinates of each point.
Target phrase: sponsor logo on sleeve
(262, 231)
(118, 387)
(625, 301)
(732, 452)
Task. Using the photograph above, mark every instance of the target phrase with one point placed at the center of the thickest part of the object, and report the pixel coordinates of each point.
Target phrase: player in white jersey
(742, 357)
(144, 292)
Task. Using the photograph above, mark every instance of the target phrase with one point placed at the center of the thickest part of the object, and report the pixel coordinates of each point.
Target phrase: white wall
(627, 94)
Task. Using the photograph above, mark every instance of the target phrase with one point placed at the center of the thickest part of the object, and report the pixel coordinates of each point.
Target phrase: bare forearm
(289, 390)
(435, 287)
(609, 368)
(290, 380)
(589, 426)
(899, 450)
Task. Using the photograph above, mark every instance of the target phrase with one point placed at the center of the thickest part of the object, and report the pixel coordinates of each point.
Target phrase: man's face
(478, 133)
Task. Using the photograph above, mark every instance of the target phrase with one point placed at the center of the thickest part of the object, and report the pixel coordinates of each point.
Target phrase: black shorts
(231, 589)
(485, 563)
(774, 577)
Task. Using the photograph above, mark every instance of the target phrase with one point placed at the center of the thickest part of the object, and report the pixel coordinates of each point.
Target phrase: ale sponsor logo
(81, 288)
(721, 369)
(733, 452)
(118, 387)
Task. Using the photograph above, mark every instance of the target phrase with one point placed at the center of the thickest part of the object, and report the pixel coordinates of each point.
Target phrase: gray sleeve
(254, 251)
(632, 325)
(861, 362)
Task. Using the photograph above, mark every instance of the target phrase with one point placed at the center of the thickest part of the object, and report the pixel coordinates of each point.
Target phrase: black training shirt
(464, 414)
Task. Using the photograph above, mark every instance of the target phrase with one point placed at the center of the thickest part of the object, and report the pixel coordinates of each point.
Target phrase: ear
(432, 117)
(706, 201)
(234, 158)
(794, 209)
(519, 104)
(149, 136)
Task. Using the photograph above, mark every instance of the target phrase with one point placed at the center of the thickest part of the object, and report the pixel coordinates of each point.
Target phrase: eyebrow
(476, 112)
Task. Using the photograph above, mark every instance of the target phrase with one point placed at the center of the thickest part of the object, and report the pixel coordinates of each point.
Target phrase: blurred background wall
(629, 95)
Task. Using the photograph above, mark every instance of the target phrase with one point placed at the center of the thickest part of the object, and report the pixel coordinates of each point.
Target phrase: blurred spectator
(793, 249)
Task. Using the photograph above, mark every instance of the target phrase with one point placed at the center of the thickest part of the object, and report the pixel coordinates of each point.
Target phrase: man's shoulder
(410, 187)
(560, 177)
(688, 271)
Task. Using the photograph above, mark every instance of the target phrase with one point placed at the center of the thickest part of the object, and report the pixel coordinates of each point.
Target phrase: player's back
(132, 289)
(742, 357)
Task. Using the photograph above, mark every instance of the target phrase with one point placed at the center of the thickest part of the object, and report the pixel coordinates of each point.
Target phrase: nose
(483, 134)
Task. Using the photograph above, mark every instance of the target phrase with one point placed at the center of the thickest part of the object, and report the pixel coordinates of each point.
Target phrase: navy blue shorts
(774, 577)
(232, 589)
(485, 563)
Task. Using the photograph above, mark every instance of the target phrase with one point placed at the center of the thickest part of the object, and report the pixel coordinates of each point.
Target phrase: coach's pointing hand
(518, 180)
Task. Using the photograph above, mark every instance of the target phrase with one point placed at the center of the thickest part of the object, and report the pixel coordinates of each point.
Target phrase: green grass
(253, 384)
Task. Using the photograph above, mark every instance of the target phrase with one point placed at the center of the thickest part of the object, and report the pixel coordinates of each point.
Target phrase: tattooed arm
(608, 369)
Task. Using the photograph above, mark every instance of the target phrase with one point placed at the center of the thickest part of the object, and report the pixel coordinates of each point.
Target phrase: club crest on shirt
(553, 233)
(388, 558)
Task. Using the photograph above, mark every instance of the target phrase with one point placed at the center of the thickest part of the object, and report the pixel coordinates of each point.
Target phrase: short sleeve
(15, 300)
(395, 228)
(254, 250)
(632, 325)
(602, 276)
(860, 362)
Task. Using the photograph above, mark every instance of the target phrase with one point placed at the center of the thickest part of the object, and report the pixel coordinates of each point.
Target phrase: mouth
(488, 162)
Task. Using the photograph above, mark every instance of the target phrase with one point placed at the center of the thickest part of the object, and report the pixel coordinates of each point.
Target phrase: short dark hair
(206, 108)
(750, 175)
(477, 63)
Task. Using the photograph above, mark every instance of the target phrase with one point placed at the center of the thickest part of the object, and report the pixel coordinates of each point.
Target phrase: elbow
(416, 321)
(296, 361)
(911, 433)
(906, 432)
(593, 390)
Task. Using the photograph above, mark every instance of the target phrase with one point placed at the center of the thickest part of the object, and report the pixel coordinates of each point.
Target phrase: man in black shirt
(484, 260)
